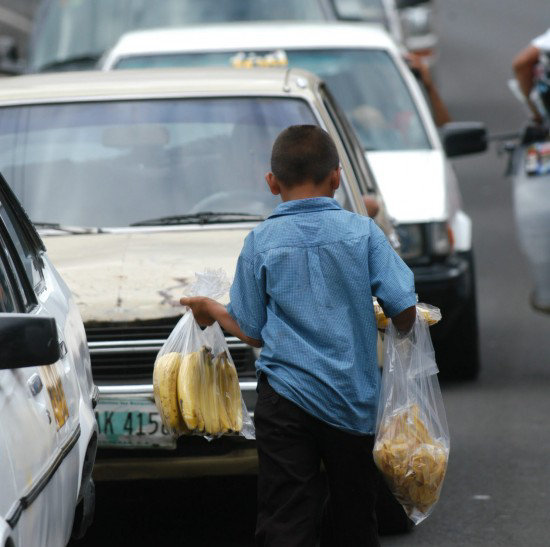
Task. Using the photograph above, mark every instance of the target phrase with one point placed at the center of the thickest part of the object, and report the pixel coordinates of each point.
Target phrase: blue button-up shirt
(304, 285)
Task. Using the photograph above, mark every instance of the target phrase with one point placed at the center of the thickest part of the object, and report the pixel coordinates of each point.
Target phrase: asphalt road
(497, 491)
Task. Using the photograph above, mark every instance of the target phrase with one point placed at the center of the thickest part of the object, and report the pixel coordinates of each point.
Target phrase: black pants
(291, 490)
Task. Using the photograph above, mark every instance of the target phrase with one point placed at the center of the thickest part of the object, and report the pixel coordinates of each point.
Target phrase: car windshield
(74, 33)
(361, 10)
(117, 163)
(366, 83)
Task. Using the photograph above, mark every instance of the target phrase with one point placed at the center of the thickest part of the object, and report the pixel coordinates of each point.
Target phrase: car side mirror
(461, 138)
(403, 4)
(27, 341)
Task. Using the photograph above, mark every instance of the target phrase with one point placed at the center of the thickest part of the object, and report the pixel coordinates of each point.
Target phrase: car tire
(84, 512)
(460, 355)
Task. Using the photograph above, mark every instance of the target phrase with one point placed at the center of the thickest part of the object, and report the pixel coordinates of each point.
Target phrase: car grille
(126, 352)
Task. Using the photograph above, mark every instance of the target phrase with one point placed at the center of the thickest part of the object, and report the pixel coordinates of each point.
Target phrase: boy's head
(303, 155)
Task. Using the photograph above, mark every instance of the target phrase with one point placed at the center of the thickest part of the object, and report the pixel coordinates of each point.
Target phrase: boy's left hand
(201, 306)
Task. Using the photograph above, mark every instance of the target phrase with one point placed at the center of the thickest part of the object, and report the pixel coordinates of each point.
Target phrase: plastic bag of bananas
(412, 439)
(195, 381)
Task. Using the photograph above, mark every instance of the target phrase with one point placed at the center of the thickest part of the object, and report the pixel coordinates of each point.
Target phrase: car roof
(90, 85)
(234, 36)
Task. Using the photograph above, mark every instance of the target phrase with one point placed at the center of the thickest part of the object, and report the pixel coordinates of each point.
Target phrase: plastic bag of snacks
(412, 439)
(430, 314)
(195, 382)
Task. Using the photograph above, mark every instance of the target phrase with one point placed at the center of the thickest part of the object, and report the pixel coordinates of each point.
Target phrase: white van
(365, 72)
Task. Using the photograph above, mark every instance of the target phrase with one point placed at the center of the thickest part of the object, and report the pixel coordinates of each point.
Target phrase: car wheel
(460, 355)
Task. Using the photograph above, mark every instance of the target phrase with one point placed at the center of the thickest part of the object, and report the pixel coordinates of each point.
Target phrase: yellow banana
(209, 399)
(223, 393)
(165, 375)
(209, 394)
(190, 378)
(234, 398)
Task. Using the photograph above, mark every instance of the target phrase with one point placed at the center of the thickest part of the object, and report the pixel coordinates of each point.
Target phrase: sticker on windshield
(251, 60)
(52, 381)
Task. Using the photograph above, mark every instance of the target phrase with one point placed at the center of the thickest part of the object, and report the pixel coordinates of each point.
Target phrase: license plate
(131, 423)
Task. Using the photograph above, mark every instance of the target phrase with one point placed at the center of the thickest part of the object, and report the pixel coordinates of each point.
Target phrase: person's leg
(349, 518)
(289, 481)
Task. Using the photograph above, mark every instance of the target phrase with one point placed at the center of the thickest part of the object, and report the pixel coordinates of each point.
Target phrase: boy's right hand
(202, 308)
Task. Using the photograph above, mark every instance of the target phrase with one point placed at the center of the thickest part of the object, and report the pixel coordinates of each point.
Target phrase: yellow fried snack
(382, 321)
(430, 314)
(412, 462)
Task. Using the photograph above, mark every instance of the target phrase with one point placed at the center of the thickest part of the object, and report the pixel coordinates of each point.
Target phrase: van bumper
(194, 456)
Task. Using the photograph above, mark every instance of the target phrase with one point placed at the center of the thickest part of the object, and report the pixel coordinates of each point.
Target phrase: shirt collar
(307, 205)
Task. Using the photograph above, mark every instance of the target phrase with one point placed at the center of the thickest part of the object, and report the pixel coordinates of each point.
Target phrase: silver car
(137, 181)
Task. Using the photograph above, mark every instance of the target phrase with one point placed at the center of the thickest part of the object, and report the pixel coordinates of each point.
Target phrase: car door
(39, 421)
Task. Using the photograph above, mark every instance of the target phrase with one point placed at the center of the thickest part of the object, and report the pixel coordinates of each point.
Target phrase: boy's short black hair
(303, 152)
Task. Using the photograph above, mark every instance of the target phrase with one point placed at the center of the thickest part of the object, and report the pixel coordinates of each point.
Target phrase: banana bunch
(165, 377)
(198, 393)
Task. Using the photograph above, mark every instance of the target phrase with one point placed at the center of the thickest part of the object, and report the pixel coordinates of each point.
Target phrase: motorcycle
(529, 170)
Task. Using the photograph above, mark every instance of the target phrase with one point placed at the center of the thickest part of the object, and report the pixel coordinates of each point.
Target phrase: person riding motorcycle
(529, 167)
(532, 71)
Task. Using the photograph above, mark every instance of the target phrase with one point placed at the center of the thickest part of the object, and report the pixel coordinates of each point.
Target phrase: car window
(78, 32)
(115, 163)
(366, 83)
(28, 254)
(361, 10)
(355, 153)
(7, 295)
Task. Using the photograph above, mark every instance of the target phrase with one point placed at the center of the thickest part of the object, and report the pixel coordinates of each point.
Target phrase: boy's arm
(392, 281)
(206, 311)
(524, 65)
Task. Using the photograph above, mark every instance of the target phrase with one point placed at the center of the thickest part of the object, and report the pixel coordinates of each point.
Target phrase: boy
(303, 292)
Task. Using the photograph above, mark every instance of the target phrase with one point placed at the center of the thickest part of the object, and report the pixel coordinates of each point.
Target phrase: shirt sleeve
(542, 41)
(392, 281)
(248, 300)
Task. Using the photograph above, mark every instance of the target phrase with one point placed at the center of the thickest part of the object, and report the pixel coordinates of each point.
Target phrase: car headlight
(425, 241)
(417, 21)
(412, 241)
(440, 238)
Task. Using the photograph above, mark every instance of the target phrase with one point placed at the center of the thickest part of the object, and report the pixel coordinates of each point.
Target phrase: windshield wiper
(88, 60)
(67, 229)
(204, 217)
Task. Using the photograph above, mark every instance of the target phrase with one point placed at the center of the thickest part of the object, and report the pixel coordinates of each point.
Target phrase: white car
(48, 433)
(368, 78)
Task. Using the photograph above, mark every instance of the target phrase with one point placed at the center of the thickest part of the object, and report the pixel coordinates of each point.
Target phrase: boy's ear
(273, 184)
(335, 179)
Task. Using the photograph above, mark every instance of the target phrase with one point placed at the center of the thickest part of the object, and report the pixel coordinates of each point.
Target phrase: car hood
(414, 184)
(140, 275)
